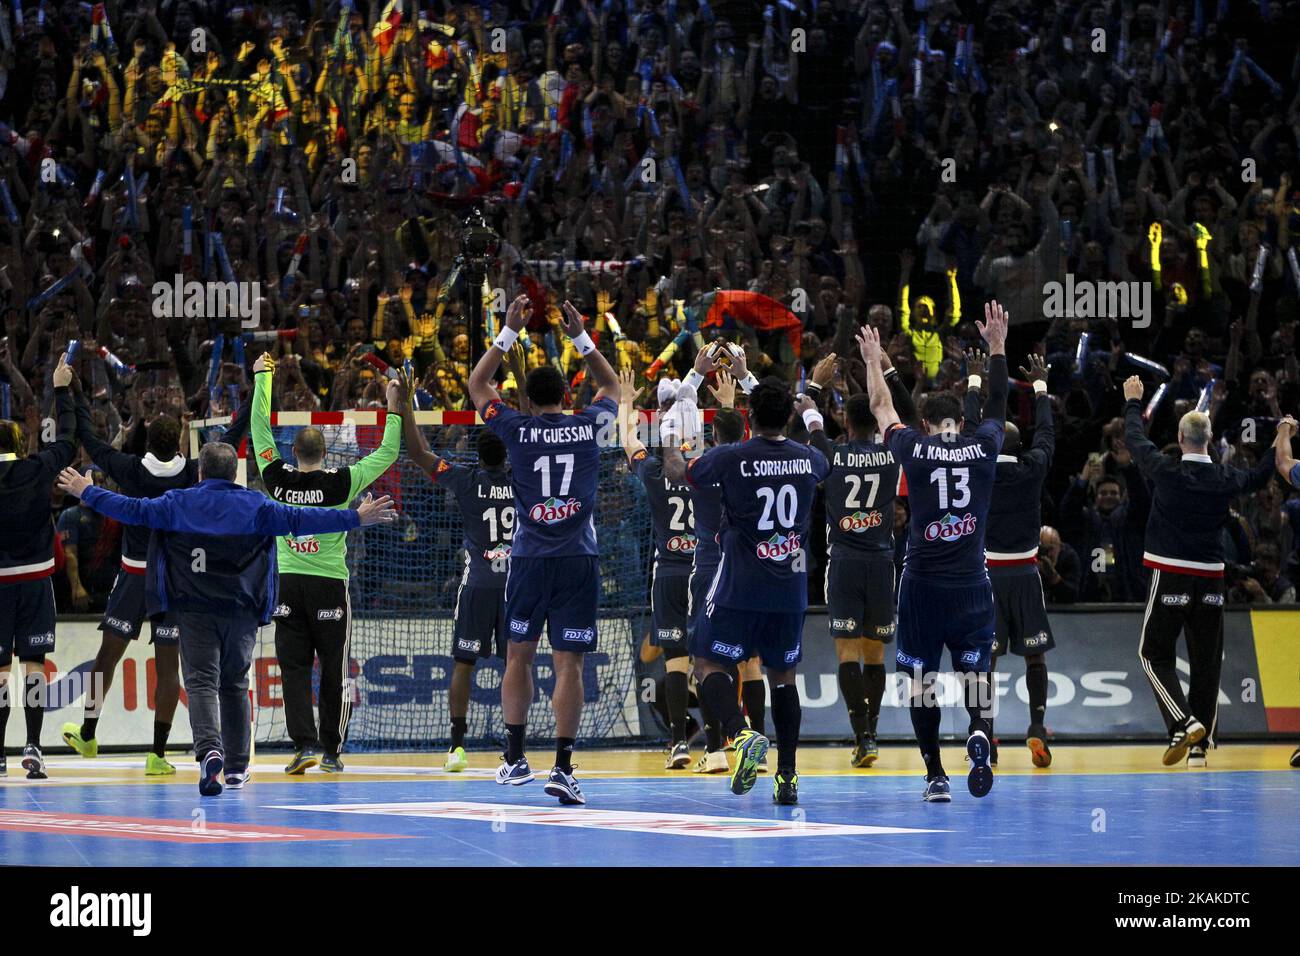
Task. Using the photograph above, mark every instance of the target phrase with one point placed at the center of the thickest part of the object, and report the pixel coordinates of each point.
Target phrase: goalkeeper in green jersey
(313, 617)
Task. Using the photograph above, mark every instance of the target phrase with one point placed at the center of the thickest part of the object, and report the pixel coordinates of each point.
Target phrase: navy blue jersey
(555, 470)
(859, 496)
(706, 505)
(767, 486)
(487, 509)
(672, 515)
(949, 487)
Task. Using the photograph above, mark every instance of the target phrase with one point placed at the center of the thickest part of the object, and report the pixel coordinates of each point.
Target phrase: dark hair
(11, 437)
(544, 386)
(491, 449)
(857, 411)
(1112, 480)
(309, 446)
(771, 404)
(218, 460)
(163, 438)
(938, 407)
(728, 426)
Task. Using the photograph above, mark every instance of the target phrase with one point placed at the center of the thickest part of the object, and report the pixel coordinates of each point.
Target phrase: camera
(479, 240)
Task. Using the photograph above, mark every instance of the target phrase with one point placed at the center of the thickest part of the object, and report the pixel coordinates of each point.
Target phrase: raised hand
(263, 363)
(977, 362)
(573, 324)
(1037, 371)
(519, 312)
(725, 391)
(63, 374)
(994, 327)
(627, 390)
(377, 510)
(1133, 388)
(73, 482)
(869, 345)
(824, 371)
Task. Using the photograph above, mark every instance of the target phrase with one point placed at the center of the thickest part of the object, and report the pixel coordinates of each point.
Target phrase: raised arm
(1145, 453)
(1044, 443)
(882, 403)
(417, 449)
(1285, 464)
(627, 416)
(264, 450)
(994, 331)
(378, 461)
(480, 387)
(603, 377)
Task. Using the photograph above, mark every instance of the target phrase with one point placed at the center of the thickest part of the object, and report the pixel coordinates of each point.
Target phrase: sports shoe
(1036, 741)
(679, 757)
(564, 785)
(72, 737)
(1196, 757)
(514, 773)
(786, 789)
(456, 761)
(1295, 759)
(714, 762)
(866, 753)
(303, 760)
(236, 781)
(331, 763)
(155, 766)
(937, 790)
(34, 763)
(751, 748)
(1189, 731)
(980, 778)
(210, 774)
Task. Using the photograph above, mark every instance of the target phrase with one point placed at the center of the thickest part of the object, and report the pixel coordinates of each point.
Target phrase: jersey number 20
(780, 501)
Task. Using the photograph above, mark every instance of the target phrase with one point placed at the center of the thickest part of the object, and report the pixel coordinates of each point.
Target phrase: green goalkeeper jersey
(322, 555)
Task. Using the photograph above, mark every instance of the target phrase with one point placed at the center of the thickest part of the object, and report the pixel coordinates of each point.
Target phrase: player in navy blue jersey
(672, 516)
(859, 496)
(1011, 552)
(945, 599)
(756, 602)
(553, 578)
(486, 502)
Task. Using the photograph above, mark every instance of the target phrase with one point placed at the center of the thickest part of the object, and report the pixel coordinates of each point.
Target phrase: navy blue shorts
(700, 581)
(559, 594)
(480, 628)
(26, 619)
(727, 635)
(1022, 624)
(860, 597)
(124, 614)
(670, 599)
(933, 616)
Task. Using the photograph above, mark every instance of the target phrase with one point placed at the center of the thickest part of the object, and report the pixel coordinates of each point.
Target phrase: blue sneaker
(514, 773)
(980, 779)
(210, 774)
(751, 751)
(565, 786)
(937, 790)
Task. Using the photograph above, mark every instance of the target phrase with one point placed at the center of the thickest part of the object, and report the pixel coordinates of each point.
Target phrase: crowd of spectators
(776, 174)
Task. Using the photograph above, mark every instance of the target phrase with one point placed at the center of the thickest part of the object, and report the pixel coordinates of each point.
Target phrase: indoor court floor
(1112, 804)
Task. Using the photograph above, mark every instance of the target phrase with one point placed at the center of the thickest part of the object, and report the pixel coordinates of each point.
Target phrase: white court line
(261, 767)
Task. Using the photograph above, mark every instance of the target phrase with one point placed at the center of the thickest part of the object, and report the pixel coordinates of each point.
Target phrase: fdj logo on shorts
(583, 635)
(553, 510)
(728, 650)
(119, 625)
(681, 544)
(861, 521)
(778, 547)
(465, 644)
(950, 528)
(518, 627)
(1175, 600)
(335, 614)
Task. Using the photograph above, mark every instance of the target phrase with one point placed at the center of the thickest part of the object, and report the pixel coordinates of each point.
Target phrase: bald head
(1010, 439)
(1049, 542)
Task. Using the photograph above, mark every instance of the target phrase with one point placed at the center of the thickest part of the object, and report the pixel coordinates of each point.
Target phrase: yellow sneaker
(155, 766)
(456, 761)
(72, 737)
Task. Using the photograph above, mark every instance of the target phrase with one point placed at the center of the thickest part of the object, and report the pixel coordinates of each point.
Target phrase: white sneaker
(564, 784)
(236, 781)
(1196, 757)
(679, 757)
(514, 773)
(714, 762)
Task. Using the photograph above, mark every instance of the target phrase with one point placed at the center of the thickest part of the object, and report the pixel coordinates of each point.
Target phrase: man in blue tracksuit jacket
(212, 564)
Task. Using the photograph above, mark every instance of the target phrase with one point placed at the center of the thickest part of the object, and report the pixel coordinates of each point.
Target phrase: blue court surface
(104, 812)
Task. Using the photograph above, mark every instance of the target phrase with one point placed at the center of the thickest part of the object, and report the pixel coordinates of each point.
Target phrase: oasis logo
(75, 909)
(778, 547)
(334, 615)
(553, 510)
(861, 521)
(728, 650)
(304, 545)
(681, 544)
(583, 635)
(950, 528)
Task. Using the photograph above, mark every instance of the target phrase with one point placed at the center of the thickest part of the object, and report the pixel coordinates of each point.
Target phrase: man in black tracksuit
(162, 468)
(27, 562)
(1011, 554)
(1184, 550)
